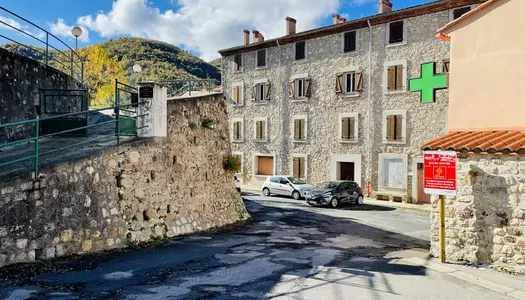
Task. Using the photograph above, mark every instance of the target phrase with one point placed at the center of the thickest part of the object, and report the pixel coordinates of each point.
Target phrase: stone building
(485, 221)
(333, 103)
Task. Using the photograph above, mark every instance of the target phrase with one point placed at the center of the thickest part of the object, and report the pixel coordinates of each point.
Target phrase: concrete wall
(325, 59)
(487, 59)
(485, 222)
(144, 189)
(21, 78)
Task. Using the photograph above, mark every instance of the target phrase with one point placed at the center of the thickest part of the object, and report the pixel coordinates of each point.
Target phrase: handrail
(72, 58)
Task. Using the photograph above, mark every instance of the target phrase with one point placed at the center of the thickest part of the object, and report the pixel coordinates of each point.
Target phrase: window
(458, 12)
(237, 94)
(299, 129)
(237, 130)
(349, 83)
(396, 32)
(264, 166)
(300, 88)
(261, 58)
(299, 167)
(237, 63)
(394, 128)
(275, 180)
(284, 181)
(300, 50)
(348, 129)
(446, 66)
(349, 41)
(261, 92)
(395, 78)
(260, 130)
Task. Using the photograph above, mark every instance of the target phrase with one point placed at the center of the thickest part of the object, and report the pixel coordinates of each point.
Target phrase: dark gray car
(335, 193)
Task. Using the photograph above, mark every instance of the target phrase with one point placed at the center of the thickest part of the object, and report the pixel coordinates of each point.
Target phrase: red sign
(440, 173)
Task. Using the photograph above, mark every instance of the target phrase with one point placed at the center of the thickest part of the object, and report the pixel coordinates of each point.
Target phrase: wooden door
(421, 196)
(346, 171)
(265, 165)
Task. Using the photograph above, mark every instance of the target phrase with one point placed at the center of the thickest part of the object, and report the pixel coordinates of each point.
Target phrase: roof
(501, 141)
(395, 15)
(476, 10)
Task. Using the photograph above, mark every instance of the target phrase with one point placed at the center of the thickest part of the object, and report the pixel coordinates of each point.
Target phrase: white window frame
(451, 11)
(305, 51)
(402, 62)
(344, 72)
(256, 83)
(234, 85)
(300, 117)
(381, 163)
(255, 164)
(242, 63)
(265, 119)
(405, 37)
(234, 120)
(296, 78)
(349, 115)
(241, 154)
(343, 41)
(387, 113)
(302, 155)
(257, 59)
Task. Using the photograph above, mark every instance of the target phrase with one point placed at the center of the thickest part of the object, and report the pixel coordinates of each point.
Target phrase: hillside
(216, 63)
(158, 60)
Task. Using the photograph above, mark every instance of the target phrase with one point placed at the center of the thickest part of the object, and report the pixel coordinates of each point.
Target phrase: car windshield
(327, 185)
(296, 180)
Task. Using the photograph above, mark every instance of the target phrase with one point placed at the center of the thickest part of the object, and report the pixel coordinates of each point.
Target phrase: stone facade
(485, 222)
(325, 59)
(145, 189)
(21, 79)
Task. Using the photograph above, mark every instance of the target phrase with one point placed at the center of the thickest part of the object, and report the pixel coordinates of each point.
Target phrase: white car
(237, 183)
(286, 186)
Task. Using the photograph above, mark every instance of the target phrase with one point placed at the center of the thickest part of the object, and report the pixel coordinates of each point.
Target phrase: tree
(100, 71)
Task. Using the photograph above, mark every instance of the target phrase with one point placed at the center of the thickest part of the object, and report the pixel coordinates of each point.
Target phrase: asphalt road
(291, 251)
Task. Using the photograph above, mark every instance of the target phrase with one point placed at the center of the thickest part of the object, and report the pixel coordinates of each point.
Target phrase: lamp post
(136, 69)
(77, 32)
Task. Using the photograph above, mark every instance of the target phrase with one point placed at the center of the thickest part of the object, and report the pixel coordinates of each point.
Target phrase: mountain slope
(158, 60)
(216, 63)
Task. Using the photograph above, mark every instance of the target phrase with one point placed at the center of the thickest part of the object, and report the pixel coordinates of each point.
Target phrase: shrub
(231, 163)
(207, 123)
(193, 126)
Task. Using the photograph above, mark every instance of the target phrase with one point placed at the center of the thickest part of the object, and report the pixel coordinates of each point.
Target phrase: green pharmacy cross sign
(428, 83)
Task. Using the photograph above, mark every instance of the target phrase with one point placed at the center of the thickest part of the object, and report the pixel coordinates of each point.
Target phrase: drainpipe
(279, 132)
(369, 154)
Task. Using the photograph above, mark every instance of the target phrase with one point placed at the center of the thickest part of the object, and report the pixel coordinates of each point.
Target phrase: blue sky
(200, 26)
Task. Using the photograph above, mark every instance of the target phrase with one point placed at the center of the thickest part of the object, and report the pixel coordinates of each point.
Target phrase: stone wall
(325, 59)
(485, 222)
(21, 78)
(145, 189)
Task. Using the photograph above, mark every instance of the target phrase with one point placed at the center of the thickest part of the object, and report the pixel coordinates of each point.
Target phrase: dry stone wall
(145, 189)
(485, 222)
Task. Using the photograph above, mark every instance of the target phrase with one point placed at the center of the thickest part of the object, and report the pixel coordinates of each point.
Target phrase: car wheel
(266, 192)
(296, 195)
(359, 200)
(334, 202)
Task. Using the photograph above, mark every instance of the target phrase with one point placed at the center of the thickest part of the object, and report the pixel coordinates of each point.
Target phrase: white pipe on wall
(368, 165)
(279, 132)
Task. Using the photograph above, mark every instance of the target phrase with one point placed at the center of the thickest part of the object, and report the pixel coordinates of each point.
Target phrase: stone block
(66, 236)
(114, 211)
(105, 213)
(3, 232)
(87, 245)
(508, 250)
(21, 243)
(87, 202)
(134, 156)
(7, 190)
(60, 250)
(110, 242)
(67, 212)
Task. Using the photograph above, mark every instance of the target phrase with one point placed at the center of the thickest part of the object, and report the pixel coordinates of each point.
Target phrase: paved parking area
(291, 251)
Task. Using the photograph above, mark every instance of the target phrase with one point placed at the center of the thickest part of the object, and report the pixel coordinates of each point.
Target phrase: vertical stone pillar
(153, 99)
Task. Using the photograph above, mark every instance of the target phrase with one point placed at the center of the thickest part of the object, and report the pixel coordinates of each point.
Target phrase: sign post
(440, 179)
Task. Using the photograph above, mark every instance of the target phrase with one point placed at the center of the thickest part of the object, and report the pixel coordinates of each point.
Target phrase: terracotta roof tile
(501, 141)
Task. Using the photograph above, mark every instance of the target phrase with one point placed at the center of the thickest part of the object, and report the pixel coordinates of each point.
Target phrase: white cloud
(207, 25)
(61, 29)
(10, 22)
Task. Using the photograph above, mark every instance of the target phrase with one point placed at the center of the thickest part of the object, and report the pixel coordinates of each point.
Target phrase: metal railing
(37, 139)
(181, 87)
(65, 59)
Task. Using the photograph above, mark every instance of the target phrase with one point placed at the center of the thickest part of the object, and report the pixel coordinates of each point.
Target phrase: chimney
(257, 36)
(336, 18)
(246, 37)
(342, 20)
(385, 6)
(290, 25)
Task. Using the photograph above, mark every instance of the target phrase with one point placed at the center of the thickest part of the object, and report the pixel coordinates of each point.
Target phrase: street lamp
(136, 69)
(77, 32)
